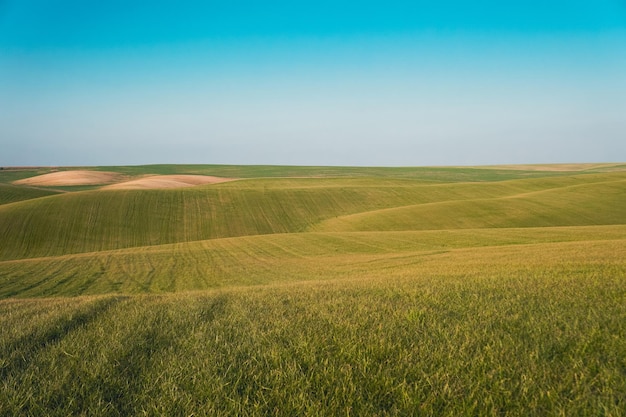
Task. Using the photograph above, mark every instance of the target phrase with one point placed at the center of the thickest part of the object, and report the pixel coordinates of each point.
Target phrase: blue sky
(322, 83)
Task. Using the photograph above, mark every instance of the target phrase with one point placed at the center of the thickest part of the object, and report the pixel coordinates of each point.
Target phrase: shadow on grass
(19, 353)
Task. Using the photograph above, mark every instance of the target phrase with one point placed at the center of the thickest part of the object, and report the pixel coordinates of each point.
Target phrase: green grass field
(317, 291)
(12, 194)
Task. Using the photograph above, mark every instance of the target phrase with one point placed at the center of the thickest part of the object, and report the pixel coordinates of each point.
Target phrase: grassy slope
(281, 258)
(103, 220)
(12, 194)
(548, 340)
(100, 220)
(485, 321)
(7, 176)
(583, 204)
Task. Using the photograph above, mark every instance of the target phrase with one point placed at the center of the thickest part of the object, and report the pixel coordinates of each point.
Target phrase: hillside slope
(298, 257)
(114, 219)
(12, 194)
(574, 205)
(404, 291)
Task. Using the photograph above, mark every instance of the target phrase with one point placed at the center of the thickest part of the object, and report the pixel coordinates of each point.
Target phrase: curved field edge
(11, 194)
(580, 204)
(526, 341)
(292, 258)
(103, 220)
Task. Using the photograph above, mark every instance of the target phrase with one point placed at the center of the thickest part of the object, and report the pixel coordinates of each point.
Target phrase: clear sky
(315, 83)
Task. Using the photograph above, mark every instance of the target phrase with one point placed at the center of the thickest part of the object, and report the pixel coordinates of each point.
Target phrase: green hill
(12, 194)
(352, 291)
(514, 330)
(297, 257)
(571, 205)
(275, 230)
(103, 220)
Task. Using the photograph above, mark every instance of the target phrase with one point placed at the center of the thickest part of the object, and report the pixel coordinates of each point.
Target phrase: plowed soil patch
(167, 181)
(69, 178)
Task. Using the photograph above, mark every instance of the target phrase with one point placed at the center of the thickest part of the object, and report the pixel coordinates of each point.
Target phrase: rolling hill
(316, 291)
(98, 220)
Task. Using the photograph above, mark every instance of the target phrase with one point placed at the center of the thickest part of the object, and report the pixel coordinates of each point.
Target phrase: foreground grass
(526, 342)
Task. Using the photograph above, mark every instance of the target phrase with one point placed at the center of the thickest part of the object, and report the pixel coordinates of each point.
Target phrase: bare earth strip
(167, 181)
(69, 178)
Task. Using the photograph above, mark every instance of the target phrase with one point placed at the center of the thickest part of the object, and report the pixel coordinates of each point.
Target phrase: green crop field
(317, 291)
(11, 193)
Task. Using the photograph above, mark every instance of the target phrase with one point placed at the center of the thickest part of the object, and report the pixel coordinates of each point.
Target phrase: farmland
(317, 291)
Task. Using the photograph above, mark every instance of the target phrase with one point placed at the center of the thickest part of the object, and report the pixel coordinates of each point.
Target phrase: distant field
(431, 174)
(562, 167)
(316, 291)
